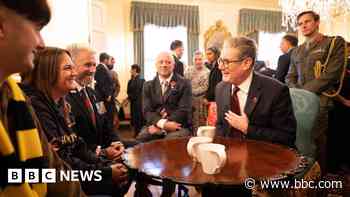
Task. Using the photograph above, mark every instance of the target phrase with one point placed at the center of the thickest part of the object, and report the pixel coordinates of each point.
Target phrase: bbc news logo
(47, 175)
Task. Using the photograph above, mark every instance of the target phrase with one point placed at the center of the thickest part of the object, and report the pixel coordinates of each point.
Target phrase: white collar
(167, 79)
(104, 65)
(174, 54)
(245, 85)
(78, 87)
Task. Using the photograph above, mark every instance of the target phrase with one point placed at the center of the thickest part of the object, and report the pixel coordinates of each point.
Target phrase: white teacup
(193, 143)
(212, 157)
(207, 131)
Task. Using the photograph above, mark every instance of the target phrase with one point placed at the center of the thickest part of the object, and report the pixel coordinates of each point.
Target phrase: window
(158, 39)
(269, 48)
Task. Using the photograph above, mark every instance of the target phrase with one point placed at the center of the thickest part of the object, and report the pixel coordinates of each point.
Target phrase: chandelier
(325, 8)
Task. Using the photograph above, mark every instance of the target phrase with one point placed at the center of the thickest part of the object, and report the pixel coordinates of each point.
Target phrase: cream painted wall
(120, 39)
(69, 23)
(337, 26)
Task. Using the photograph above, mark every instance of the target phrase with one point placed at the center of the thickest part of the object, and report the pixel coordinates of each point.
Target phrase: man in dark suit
(105, 87)
(166, 102)
(177, 48)
(288, 43)
(250, 105)
(88, 113)
(134, 91)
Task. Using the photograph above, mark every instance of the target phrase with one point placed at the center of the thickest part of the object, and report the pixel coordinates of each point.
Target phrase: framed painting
(216, 35)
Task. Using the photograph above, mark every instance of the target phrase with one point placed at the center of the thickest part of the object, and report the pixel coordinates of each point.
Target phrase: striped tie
(89, 106)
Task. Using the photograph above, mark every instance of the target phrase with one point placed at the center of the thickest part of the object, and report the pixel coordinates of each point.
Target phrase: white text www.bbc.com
(249, 183)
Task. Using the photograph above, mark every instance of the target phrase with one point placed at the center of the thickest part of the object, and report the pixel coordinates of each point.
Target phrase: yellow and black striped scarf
(20, 145)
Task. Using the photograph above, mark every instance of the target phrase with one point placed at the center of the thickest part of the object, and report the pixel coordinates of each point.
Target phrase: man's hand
(54, 144)
(153, 129)
(119, 173)
(239, 122)
(117, 145)
(163, 114)
(346, 102)
(113, 153)
(172, 126)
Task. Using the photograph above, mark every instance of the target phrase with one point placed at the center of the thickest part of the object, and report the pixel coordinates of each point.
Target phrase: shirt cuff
(161, 123)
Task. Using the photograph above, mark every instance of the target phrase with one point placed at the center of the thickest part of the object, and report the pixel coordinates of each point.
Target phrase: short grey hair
(246, 46)
(167, 54)
(75, 48)
(198, 52)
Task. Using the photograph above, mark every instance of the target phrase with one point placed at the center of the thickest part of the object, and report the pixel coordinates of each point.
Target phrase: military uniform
(301, 75)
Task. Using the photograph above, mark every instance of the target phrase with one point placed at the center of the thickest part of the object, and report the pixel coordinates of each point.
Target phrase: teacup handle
(200, 132)
(222, 158)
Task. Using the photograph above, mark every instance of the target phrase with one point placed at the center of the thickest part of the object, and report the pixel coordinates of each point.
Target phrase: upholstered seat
(306, 106)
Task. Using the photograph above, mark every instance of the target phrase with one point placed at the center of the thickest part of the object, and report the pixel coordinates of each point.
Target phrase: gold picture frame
(216, 35)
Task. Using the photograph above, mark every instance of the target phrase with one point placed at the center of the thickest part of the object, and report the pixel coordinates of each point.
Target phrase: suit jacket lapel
(168, 91)
(157, 88)
(227, 97)
(253, 95)
(78, 99)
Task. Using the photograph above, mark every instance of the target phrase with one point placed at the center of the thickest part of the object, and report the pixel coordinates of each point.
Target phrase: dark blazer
(104, 83)
(102, 134)
(215, 77)
(74, 151)
(179, 66)
(134, 88)
(268, 107)
(134, 91)
(176, 101)
(283, 66)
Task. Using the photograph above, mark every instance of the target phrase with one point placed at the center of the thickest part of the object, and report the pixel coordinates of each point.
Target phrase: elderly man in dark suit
(288, 43)
(251, 105)
(87, 111)
(166, 102)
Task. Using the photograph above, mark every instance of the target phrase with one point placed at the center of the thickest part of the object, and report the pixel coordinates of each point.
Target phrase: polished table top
(245, 158)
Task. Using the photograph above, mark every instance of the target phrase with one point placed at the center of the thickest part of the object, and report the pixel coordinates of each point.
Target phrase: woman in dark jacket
(46, 85)
(215, 75)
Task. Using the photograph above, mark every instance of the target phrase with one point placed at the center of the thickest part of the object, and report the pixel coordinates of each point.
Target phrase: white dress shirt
(242, 94)
(162, 121)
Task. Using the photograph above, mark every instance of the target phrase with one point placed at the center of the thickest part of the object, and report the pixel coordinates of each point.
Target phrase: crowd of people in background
(64, 115)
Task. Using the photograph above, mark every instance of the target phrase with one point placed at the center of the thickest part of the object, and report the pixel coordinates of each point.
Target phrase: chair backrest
(306, 106)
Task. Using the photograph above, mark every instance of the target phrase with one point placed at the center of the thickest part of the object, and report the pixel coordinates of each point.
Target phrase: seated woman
(46, 85)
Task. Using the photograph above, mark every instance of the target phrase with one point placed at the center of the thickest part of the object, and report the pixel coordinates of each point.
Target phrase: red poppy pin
(255, 100)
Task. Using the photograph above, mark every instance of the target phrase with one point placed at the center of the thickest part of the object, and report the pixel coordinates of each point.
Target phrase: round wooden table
(168, 159)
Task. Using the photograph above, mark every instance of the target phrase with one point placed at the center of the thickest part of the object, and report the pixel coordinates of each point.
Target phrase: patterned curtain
(251, 21)
(167, 15)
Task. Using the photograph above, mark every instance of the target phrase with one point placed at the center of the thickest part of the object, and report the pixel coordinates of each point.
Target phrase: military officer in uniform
(322, 80)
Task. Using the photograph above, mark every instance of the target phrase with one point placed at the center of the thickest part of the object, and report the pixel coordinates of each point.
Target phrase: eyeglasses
(164, 62)
(227, 63)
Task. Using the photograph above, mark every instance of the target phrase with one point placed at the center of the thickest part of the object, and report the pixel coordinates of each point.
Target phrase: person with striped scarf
(22, 142)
